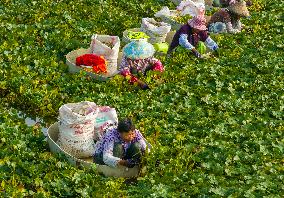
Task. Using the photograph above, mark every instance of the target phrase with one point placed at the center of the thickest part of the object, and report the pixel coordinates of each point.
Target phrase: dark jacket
(193, 39)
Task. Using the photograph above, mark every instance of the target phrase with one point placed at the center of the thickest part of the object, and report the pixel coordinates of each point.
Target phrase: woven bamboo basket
(73, 68)
(120, 171)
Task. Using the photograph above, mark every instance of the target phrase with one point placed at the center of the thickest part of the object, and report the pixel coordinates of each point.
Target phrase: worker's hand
(123, 162)
(216, 52)
(249, 3)
(133, 70)
(143, 85)
(196, 53)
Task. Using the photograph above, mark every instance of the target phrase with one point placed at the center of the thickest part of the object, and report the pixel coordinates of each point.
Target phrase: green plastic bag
(201, 47)
(161, 47)
(137, 35)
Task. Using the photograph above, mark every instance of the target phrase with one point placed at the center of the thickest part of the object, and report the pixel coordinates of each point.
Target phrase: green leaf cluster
(216, 124)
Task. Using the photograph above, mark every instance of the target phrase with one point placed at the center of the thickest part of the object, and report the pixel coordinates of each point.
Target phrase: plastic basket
(73, 68)
(120, 171)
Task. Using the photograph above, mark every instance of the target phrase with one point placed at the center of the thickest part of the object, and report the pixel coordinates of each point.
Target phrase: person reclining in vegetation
(122, 146)
(193, 36)
(227, 20)
(138, 59)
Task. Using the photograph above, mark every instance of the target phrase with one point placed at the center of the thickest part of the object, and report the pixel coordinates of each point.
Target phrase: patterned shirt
(106, 144)
(128, 67)
(141, 65)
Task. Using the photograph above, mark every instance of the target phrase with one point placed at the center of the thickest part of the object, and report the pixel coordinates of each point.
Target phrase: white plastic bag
(76, 128)
(108, 47)
(106, 119)
(156, 30)
(165, 11)
(191, 7)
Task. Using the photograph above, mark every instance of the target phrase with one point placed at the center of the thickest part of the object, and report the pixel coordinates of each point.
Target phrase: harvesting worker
(122, 146)
(226, 3)
(193, 36)
(228, 20)
(137, 60)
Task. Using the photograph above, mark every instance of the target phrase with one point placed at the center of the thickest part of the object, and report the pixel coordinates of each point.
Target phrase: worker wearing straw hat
(226, 3)
(227, 20)
(194, 33)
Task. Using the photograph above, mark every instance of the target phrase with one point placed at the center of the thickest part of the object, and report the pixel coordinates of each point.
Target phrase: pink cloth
(132, 80)
(198, 22)
(158, 67)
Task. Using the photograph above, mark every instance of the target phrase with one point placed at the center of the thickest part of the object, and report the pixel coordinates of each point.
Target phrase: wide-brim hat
(198, 22)
(239, 8)
(139, 49)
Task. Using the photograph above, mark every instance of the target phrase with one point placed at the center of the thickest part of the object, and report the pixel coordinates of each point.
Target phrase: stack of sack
(156, 30)
(108, 47)
(81, 125)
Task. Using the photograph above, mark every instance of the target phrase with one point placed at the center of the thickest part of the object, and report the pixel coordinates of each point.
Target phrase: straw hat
(139, 49)
(239, 8)
(198, 22)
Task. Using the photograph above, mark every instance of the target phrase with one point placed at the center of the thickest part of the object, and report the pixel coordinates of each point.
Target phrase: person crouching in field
(122, 146)
(137, 59)
(227, 20)
(193, 36)
(226, 3)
